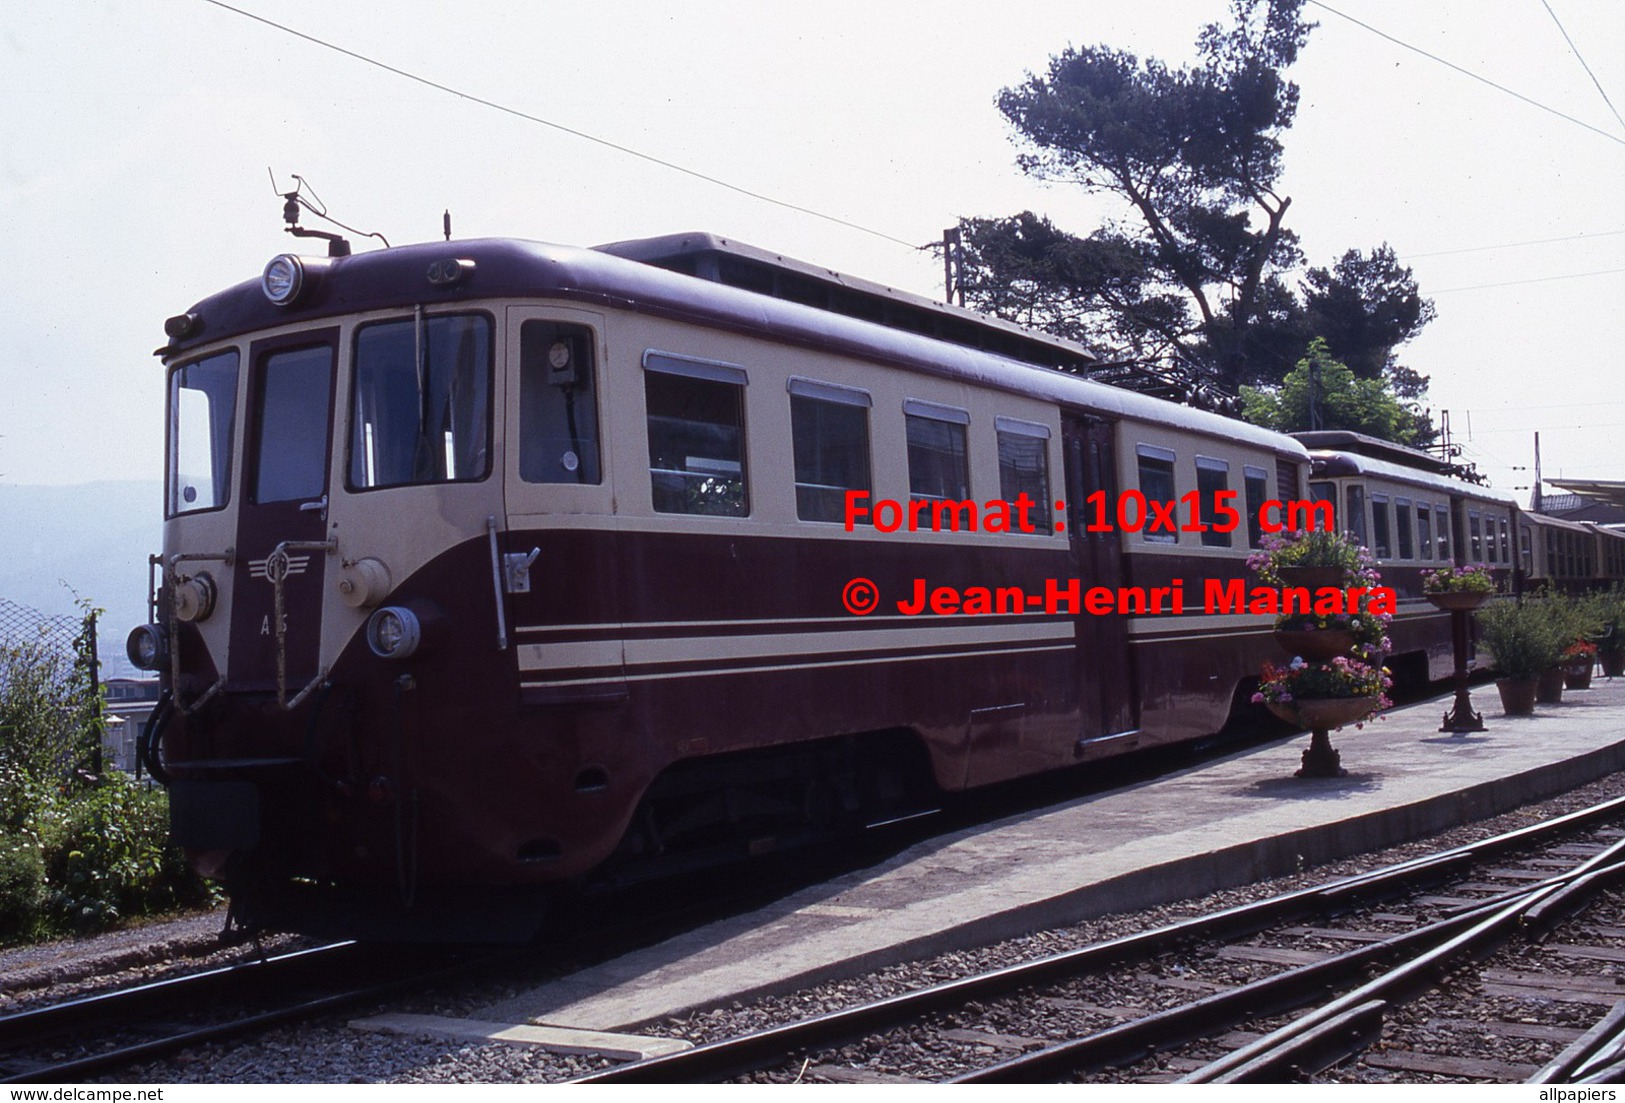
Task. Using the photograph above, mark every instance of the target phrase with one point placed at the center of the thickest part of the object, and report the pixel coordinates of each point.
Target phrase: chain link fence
(50, 691)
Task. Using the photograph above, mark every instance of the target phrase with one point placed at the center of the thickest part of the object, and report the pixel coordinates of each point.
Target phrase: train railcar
(492, 566)
(1414, 517)
(1568, 556)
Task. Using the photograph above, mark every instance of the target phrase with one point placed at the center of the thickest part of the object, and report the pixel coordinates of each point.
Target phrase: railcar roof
(1345, 440)
(1347, 464)
(1544, 520)
(508, 268)
(724, 260)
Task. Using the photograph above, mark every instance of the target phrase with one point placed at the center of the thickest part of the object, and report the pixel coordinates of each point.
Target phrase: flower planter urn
(1577, 676)
(1549, 687)
(1319, 715)
(1317, 644)
(1457, 599)
(1613, 663)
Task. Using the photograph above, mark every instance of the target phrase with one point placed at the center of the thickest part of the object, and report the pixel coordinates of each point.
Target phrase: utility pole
(951, 281)
(1535, 500)
(1314, 395)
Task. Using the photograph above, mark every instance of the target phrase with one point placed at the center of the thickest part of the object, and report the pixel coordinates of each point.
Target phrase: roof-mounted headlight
(283, 279)
(444, 273)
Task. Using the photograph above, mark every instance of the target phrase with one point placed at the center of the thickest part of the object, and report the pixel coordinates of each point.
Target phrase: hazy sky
(136, 137)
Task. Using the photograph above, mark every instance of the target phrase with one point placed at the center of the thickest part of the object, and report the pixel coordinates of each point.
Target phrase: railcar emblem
(278, 566)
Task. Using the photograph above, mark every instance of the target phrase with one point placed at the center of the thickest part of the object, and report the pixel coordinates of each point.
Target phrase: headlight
(394, 632)
(283, 279)
(146, 647)
(194, 599)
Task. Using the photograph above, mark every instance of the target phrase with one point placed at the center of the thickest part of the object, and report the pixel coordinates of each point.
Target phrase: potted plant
(1316, 635)
(1608, 609)
(1342, 691)
(1313, 558)
(1576, 662)
(1522, 644)
(1569, 620)
(1458, 587)
(1321, 696)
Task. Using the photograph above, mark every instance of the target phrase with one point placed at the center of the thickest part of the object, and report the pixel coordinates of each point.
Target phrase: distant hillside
(90, 540)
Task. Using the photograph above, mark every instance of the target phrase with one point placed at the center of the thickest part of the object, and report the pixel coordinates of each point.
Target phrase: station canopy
(1597, 490)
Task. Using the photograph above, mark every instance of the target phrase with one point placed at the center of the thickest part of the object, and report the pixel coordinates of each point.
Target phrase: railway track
(1484, 937)
(96, 1034)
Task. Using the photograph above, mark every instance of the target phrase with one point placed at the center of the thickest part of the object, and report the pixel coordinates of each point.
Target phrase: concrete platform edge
(1200, 874)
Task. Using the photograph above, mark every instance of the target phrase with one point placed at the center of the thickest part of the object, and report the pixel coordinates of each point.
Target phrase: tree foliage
(1195, 272)
(1324, 393)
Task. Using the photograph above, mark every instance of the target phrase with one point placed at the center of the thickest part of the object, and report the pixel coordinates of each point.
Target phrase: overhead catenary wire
(1321, 4)
(573, 132)
(835, 219)
(1581, 59)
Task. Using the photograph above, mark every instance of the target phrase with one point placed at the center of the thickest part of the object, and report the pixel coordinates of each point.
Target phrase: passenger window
(1424, 530)
(938, 458)
(1402, 527)
(1442, 516)
(1379, 527)
(829, 432)
(558, 404)
(421, 409)
(1157, 485)
(1474, 535)
(1506, 541)
(1212, 477)
(696, 412)
(1356, 514)
(1024, 469)
(1258, 492)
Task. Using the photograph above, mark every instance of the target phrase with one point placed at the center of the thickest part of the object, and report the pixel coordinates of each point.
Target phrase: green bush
(22, 887)
(108, 857)
(1524, 640)
(80, 849)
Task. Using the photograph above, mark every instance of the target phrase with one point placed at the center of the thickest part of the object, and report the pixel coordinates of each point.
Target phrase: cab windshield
(202, 404)
(421, 411)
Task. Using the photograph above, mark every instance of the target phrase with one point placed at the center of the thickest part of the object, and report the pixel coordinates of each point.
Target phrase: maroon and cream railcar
(491, 566)
(1414, 517)
(1572, 557)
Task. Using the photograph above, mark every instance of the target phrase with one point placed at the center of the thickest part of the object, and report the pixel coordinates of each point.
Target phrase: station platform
(1227, 822)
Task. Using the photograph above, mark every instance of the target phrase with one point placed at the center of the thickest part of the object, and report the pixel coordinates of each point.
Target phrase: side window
(938, 458)
(1156, 469)
(1441, 527)
(696, 414)
(1506, 542)
(1356, 514)
(1212, 476)
(1402, 527)
(1424, 530)
(421, 407)
(1258, 492)
(558, 404)
(1476, 555)
(1379, 527)
(829, 432)
(1024, 469)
